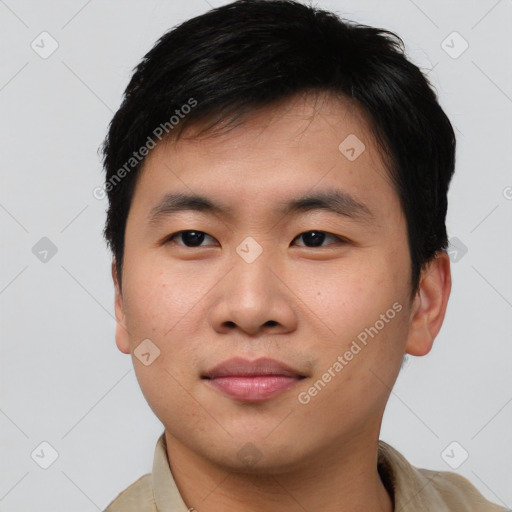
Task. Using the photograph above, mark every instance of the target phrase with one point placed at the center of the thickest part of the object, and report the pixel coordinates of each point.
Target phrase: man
(277, 181)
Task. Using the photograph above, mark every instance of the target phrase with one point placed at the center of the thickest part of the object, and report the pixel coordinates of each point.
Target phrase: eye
(190, 238)
(316, 238)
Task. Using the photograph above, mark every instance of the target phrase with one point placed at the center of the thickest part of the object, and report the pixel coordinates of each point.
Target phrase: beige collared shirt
(414, 490)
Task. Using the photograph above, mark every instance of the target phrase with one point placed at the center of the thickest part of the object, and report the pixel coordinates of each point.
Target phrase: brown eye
(316, 238)
(189, 238)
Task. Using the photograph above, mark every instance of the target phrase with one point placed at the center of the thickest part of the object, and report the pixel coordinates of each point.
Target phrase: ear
(429, 305)
(122, 336)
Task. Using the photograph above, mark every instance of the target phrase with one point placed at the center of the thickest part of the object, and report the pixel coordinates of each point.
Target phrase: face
(322, 287)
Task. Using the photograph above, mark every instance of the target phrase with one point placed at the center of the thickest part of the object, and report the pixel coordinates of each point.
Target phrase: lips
(239, 367)
(252, 380)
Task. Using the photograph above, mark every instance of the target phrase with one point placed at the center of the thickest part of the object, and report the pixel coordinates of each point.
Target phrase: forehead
(306, 144)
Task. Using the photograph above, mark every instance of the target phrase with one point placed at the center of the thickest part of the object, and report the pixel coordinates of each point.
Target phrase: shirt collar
(409, 489)
(165, 491)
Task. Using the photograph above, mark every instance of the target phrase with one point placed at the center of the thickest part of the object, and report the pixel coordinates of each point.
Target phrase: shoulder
(457, 492)
(417, 489)
(138, 497)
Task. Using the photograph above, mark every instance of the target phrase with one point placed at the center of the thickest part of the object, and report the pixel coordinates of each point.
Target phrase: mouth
(252, 381)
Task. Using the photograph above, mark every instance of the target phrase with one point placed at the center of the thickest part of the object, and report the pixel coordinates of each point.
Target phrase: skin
(297, 303)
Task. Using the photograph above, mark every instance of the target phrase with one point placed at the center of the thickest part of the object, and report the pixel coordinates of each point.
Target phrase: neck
(345, 479)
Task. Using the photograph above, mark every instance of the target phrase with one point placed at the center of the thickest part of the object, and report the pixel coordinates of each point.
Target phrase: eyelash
(170, 238)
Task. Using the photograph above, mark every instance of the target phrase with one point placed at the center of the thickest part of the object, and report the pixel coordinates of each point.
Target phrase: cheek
(363, 303)
(160, 307)
(346, 295)
(159, 299)
(163, 305)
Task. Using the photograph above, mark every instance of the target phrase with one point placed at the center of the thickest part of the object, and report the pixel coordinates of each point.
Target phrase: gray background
(62, 378)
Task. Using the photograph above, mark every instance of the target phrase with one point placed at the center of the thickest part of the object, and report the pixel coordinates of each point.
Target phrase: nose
(254, 298)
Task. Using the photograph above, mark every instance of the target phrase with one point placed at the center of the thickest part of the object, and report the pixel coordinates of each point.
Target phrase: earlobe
(122, 337)
(429, 306)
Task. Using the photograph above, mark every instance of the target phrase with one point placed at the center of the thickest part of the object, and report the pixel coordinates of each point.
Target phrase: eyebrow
(334, 201)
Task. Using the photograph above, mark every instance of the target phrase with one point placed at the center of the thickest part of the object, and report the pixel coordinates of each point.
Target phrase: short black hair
(249, 54)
